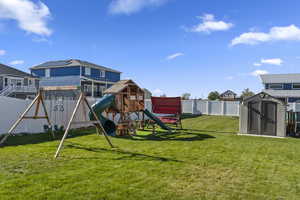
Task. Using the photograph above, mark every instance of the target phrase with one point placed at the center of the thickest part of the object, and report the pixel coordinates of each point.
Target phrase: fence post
(207, 107)
(222, 107)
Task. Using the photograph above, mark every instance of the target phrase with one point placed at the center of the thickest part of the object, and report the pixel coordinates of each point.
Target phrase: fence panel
(231, 108)
(187, 106)
(200, 107)
(215, 108)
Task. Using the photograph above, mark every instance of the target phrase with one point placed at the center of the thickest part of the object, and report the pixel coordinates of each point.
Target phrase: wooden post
(47, 116)
(37, 108)
(19, 120)
(69, 125)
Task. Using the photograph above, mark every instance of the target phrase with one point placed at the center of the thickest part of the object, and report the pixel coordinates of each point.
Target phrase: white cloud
(132, 6)
(272, 61)
(209, 24)
(257, 64)
(158, 92)
(259, 72)
(17, 62)
(31, 17)
(2, 52)
(173, 56)
(277, 33)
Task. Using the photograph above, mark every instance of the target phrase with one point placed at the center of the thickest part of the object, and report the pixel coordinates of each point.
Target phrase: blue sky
(167, 46)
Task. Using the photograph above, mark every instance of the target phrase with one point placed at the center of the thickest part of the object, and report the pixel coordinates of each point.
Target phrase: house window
(87, 71)
(47, 73)
(102, 73)
(5, 81)
(296, 86)
(276, 86)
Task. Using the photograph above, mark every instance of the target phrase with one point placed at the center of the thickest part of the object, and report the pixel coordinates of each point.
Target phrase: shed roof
(261, 96)
(71, 63)
(6, 70)
(280, 78)
(119, 86)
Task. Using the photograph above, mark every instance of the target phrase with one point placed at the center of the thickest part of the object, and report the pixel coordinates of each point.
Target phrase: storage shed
(263, 114)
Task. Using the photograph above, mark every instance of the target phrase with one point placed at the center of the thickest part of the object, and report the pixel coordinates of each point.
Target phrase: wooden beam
(19, 120)
(47, 116)
(85, 122)
(69, 125)
(37, 107)
(35, 117)
(59, 88)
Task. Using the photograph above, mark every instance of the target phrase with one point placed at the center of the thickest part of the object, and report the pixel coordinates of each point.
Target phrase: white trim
(94, 67)
(83, 78)
(266, 136)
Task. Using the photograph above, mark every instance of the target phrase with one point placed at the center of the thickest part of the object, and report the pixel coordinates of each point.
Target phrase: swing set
(62, 91)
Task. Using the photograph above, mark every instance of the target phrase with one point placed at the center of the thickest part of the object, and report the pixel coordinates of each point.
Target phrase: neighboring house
(16, 83)
(92, 78)
(228, 96)
(283, 86)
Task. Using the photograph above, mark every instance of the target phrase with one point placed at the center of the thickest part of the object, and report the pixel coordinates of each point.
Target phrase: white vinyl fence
(198, 107)
(60, 112)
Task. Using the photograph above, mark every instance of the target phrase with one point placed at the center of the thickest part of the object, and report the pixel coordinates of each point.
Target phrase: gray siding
(25, 82)
(243, 119)
(37, 83)
(1, 83)
(281, 125)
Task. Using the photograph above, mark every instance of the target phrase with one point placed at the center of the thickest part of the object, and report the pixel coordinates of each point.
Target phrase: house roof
(228, 92)
(119, 86)
(6, 70)
(71, 63)
(280, 78)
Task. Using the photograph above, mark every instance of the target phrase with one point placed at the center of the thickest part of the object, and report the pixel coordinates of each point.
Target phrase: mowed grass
(207, 160)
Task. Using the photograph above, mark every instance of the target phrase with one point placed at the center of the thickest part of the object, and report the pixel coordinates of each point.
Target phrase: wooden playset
(129, 100)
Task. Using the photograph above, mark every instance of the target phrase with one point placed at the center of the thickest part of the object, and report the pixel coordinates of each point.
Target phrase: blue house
(92, 78)
(283, 86)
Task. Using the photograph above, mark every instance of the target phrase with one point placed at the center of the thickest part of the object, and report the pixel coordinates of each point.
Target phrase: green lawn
(205, 161)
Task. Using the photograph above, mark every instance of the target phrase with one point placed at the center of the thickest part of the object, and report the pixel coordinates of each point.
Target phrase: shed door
(268, 118)
(253, 118)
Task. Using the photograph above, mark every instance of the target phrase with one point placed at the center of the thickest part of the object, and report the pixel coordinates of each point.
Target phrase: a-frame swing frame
(39, 100)
(82, 99)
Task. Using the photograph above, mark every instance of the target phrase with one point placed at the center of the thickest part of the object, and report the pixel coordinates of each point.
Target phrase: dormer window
(87, 71)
